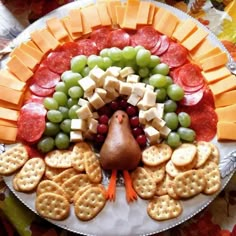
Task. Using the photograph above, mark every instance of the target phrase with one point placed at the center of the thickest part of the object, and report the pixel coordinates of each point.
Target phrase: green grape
(161, 68)
(161, 94)
(65, 125)
(145, 80)
(158, 81)
(170, 106)
(186, 134)
(60, 97)
(120, 63)
(51, 129)
(131, 63)
(169, 81)
(154, 60)
(94, 60)
(72, 112)
(50, 103)
(171, 120)
(175, 92)
(143, 72)
(61, 87)
(71, 79)
(129, 53)
(75, 92)
(137, 48)
(71, 102)
(78, 63)
(107, 62)
(115, 54)
(184, 119)
(85, 71)
(104, 52)
(64, 111)
(46, 144)
(62, 141)
(143, 57)
(173, 140)
(54, 116)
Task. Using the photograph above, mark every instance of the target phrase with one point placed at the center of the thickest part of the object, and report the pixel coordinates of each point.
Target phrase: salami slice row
(31, 122)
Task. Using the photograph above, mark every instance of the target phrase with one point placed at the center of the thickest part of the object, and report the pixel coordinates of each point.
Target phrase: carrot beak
(120, 118)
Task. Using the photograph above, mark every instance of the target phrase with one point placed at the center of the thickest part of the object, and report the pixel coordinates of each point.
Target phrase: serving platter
(119, 217)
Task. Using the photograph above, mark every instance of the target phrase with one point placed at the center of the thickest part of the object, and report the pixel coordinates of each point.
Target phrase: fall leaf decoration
(196, 6)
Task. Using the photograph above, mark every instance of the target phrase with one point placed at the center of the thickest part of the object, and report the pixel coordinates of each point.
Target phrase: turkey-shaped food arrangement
(120, 151)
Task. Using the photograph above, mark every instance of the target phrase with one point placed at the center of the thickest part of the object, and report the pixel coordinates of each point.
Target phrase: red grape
(134, 121)
(131, 110)
(103, 119)
(123, 104)
(105, 110)
(137, 131)
(100, 138)
(114, 105)
(141, 139)
(102, 129)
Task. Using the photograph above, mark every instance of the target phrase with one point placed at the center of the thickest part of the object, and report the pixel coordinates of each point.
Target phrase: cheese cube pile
(101, 87)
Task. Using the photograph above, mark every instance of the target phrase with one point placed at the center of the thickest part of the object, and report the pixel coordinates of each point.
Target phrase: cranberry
(141, 139)
(137, 131)
(131, 110)
(103, 119)
(114, 105)
(123, 104)
(102, 129)
(134, 121)
(105, 110)
(100, 138)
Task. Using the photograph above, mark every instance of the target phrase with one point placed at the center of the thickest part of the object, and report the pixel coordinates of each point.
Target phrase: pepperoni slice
(58, 62)
(33, 152)
(36, 99)
(164, 45)
(99, 36)
(71, 48)
(191, 99)
(39, 91)
(118, 38)
(146, 36)
(175, 56)
(31, 122)
(45, 78)
(87, 47)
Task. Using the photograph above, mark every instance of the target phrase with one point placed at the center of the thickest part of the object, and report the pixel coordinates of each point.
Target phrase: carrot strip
(130, 193)
(111, 191)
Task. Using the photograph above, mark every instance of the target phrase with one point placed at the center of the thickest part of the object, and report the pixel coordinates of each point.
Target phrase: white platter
(119, 218)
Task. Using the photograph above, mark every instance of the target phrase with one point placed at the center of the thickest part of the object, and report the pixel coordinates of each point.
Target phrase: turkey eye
(116, 116)
(123, 116)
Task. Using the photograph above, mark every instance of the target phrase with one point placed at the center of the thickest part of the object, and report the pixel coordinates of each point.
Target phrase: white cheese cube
(96, 101)
(76, 136)
(138, 89)
(133, 99)
(111, 83)
(78, 124)
(126, 71)
(84, 112)
(149, 98)
(125, 88)
(153, 135)
(111, 95)
(160, 109)
(149, 87)
(141, 116)
(88, 135)
(92, 125)
(158, 123)
(98, 75)
(87, 84)
(101, 92)
(83, 102)
(133, 78)
(113, 71)
(151, 113)
(88, 94)
(141, 105)
(164, 131)
(95, 115)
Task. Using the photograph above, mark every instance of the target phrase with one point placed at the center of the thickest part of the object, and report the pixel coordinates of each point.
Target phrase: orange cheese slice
(212, 52)
(216, 74)
(32, 51)
(111, 7)
(223, 85)
(85, 22)
(10, 95)
(53, 42)
(7, 79)
(31, 44)
(8, 134)
(8, 123)
(120, 13)
(66, 21)
(195, 39)
(26, 58)
(143, 13)
(225, 99)
(152, 13)
(8, 114)
(226, 113)
(103, 14)
(131, 14)
(56, 28)
(184, 29)
(165, 22)
(19, 69)
(226, 130)
(91, 13)
(215, 61)
(9, 105)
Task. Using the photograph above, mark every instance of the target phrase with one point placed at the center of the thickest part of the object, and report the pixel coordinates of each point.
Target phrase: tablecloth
(219, 218)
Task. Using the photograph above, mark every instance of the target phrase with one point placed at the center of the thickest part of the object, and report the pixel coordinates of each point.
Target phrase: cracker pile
(168, 176)
(67, 177)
